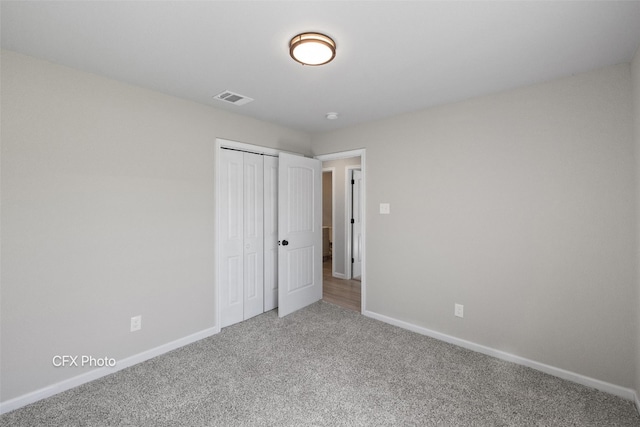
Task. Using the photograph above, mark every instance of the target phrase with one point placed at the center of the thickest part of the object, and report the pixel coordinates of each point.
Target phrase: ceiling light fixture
(332, 116)
(312, 49)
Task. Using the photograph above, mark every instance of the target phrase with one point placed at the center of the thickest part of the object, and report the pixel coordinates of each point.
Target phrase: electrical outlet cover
(136, 323)
(458, 310)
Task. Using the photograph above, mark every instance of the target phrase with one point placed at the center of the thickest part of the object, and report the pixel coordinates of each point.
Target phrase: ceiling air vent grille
(233, 98)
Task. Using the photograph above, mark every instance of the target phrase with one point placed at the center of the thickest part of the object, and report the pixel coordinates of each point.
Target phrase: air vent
(233, 98)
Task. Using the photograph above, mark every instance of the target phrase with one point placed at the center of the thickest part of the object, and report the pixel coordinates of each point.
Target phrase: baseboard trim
(43, 393)
(616, 390)
(338, 275)
(637, 402)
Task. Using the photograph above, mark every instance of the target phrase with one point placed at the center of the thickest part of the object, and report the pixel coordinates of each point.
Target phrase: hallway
(345, 293)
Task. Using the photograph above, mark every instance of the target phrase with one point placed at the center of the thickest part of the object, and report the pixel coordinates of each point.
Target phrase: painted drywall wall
(635, 76)
(107, 213)
(327, 196)
(521, 207)
(340, 210)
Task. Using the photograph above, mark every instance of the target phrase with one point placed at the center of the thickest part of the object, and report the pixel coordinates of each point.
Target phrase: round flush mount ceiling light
(312, 49)
(332, 116)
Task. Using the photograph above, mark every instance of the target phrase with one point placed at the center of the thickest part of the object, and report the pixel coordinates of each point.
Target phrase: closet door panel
(253, 196)
(270, 233)
(231, 238)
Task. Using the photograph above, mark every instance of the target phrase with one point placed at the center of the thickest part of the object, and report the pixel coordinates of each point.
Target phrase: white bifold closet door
(242, 240)
(270, 232)
(263, 201)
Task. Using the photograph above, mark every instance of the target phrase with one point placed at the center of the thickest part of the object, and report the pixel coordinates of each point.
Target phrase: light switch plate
(385, 208)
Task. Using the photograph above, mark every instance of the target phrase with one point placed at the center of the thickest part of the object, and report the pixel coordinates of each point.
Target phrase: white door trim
(227, 143)
(363, 199)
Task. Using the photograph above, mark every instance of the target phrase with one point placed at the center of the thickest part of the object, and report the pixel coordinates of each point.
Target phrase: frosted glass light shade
(312, 49)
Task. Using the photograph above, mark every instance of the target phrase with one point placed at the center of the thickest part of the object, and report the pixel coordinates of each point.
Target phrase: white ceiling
(392, 56)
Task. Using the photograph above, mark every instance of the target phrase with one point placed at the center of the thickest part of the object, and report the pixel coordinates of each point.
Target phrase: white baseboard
(623, 392)
(84, 378)
(638, 402)
(338, 275)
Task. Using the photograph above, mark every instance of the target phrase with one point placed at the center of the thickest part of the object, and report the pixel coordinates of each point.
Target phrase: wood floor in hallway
(345, 293)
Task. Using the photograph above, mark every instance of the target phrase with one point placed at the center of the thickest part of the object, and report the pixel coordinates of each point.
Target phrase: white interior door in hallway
(356, 224)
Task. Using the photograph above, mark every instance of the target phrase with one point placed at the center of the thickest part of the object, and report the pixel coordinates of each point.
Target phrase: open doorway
(343, 229)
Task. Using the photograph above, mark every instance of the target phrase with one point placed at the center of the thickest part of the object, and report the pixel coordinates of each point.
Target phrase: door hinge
(353, 221)
(353, 182)
(353, 260)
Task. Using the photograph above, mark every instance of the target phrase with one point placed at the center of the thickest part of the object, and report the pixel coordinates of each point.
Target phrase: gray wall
(635, 70)
(107, 212)
(340, 225)
(519, 205)
(327, 206)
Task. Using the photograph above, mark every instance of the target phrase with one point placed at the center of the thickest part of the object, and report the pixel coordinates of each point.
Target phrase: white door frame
(363, 200)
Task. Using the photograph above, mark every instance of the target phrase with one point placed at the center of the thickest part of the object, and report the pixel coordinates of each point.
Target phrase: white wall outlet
(136, 323)
(385, 208)
(458, 310)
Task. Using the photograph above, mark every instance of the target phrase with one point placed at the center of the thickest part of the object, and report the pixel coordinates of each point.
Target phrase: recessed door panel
(301, 203)
(301, 271)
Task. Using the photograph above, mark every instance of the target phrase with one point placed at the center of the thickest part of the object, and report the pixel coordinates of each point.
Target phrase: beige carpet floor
(326, 366)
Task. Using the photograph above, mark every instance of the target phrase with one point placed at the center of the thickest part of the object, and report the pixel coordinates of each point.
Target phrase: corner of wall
(635, 81)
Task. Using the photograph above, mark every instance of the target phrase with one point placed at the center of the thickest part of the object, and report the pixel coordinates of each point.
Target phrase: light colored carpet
(326, 366)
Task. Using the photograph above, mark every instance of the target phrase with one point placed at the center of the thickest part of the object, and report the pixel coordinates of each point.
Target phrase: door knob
(285, 242)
